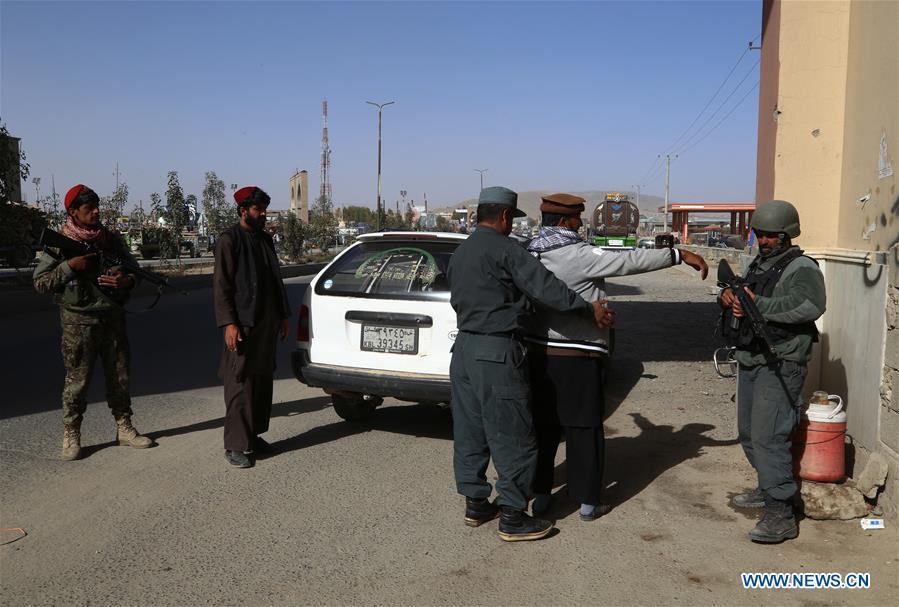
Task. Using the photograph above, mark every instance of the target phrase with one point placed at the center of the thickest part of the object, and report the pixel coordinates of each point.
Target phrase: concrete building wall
(299, 195)
(837, 100)
(872, 121)
(770, 67)
(813, 53)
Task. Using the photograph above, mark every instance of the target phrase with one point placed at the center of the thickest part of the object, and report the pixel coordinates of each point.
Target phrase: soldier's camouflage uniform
(93, 323)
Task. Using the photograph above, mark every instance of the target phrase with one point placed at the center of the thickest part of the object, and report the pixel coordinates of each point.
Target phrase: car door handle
(391, 318)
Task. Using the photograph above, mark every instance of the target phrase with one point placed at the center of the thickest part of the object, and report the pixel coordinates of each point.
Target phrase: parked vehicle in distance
(376, 322)
(614, 223)
(20, 225)
(646, 243)
(159, 241)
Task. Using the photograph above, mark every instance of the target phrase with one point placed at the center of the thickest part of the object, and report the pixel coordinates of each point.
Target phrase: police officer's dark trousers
(768, 409)
(492, 418)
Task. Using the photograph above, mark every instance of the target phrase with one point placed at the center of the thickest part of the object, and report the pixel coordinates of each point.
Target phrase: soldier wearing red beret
(251, 307)
(91, 305)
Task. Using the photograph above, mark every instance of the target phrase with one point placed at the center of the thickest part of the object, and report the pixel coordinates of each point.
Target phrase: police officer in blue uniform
(789, 291)
(494, 284)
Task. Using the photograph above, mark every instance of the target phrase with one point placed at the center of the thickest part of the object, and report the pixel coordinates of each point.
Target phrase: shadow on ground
(425, 421)
(634, 462)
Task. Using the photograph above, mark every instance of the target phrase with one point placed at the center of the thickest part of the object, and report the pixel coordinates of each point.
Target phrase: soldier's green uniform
(492, 282)
(93, 323)
(790, 294)
(92, 319)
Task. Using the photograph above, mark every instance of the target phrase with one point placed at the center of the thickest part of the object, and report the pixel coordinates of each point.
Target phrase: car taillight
(303, 324)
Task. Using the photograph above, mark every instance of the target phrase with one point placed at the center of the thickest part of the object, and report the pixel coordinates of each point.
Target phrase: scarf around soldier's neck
(553, 237)
(82, 233)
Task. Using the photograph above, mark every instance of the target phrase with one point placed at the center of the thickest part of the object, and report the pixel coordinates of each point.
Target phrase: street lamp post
(380, 107)
(481, 171)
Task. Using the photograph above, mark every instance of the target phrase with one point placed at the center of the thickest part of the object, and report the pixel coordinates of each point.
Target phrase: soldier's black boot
(516, 526)
(750, 499)
(777, 524)
(479, 511)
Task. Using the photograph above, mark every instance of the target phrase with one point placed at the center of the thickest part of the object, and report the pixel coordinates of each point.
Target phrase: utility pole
(667, 182)
(637, 188)
(117, 175)
(55, 198)
(380, 107)
(481, 171)
(37, 189)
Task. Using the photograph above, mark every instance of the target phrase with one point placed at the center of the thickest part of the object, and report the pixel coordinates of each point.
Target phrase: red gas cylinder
(819, 441)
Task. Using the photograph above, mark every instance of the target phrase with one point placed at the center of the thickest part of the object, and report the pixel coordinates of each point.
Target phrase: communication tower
(326, 156)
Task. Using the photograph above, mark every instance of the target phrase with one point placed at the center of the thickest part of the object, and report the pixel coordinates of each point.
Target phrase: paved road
(367, 514)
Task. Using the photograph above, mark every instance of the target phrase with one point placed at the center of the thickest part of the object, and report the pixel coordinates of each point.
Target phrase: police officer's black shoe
(750, 499)
(516, 526)
(777, 524)
(238, 459)
(479, 511)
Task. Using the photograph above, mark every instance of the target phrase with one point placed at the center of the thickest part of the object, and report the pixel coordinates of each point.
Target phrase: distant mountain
(529, 202)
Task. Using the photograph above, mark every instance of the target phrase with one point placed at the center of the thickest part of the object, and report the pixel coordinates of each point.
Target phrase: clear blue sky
(549, 96)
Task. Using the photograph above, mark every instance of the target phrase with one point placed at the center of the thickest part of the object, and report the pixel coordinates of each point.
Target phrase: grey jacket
(583, 268)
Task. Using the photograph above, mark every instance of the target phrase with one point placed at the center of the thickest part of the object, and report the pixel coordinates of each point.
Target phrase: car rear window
(390, 270)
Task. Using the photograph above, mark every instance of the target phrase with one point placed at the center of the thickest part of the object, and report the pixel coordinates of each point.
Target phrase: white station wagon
(377, 322)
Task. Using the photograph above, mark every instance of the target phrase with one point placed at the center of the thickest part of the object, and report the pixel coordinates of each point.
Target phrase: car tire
(355, 408)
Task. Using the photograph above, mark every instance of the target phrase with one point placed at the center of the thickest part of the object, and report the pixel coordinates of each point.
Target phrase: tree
(220, 214)
(156, 208)
(13, 168)
(175, 204)
(175, 210)
(113, 207)
(354, 214)
(322, 224)
(293, 238)
(190, 206)
(443, 224)
(138, 217)
(394, 221)
(55, 214)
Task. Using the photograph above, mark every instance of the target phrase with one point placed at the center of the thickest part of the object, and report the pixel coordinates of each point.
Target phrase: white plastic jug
(825, 408)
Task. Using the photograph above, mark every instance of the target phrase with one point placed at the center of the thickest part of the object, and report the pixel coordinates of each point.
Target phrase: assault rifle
(73, 248)
(728, 280)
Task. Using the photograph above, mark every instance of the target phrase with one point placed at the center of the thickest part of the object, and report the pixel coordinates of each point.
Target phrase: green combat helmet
(777, 217)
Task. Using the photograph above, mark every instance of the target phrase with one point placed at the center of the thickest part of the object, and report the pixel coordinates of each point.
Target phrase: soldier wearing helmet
(788, 289)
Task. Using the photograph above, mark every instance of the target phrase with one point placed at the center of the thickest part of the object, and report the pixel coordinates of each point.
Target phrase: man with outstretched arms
(567, 351)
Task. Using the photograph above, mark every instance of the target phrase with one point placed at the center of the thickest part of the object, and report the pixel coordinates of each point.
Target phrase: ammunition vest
(84, 295)
(763, 282)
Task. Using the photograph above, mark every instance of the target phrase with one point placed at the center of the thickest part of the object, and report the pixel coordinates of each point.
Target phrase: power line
(657, 164)
(720, 107)
(711, 99)
(726, 116)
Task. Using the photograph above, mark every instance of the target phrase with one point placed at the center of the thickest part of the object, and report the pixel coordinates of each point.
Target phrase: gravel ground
(368, 514)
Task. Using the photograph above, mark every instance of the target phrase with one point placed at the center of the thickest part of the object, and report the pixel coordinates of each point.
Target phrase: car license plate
(616, 243)
(393, 340)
